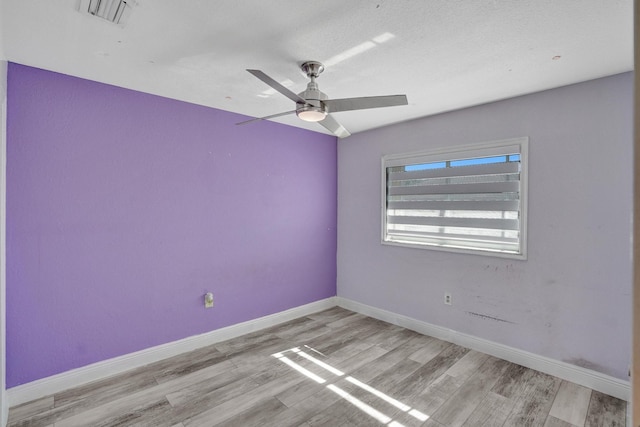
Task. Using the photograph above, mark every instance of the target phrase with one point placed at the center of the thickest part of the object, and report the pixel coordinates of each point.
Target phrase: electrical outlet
(447, 299)
(208, 300)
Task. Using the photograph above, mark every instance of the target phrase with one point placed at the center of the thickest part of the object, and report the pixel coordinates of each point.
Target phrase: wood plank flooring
(332, 368)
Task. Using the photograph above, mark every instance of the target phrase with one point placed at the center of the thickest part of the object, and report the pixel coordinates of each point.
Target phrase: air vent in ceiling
(115, 11)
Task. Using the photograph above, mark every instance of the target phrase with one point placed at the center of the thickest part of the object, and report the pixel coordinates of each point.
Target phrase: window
(468, 199)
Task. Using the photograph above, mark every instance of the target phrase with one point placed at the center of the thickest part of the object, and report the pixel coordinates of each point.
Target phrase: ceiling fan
(314, 106)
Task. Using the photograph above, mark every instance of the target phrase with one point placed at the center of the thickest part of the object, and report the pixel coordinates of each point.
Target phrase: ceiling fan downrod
(313, 110)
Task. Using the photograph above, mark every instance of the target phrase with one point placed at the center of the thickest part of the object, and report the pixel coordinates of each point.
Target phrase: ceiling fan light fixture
(309, 113)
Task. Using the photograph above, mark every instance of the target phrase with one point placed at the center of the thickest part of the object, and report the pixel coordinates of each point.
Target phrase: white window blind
(469, 199)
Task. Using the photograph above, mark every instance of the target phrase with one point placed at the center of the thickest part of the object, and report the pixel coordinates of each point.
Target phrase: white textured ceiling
(443, 54)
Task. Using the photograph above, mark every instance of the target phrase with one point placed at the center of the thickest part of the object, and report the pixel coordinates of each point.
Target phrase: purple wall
(124, 208)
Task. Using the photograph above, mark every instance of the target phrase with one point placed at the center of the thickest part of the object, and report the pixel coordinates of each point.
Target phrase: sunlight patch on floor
(371, 411)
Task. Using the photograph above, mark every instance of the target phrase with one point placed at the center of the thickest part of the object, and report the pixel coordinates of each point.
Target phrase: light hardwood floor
(332, 368)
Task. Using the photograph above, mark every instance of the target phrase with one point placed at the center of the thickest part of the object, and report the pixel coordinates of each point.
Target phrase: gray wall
(571, 300)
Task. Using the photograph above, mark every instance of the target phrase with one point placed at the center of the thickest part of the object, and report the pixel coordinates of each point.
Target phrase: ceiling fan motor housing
(313, 95)
(314, 109)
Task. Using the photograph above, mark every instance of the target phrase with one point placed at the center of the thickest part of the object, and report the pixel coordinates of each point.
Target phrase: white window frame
(486, 149)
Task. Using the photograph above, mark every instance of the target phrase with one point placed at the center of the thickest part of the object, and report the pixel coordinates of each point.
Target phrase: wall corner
(4, 404)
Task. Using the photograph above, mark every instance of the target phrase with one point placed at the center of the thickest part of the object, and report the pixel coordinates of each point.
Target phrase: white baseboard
(585, 377)
(4, 409)
(76, 377)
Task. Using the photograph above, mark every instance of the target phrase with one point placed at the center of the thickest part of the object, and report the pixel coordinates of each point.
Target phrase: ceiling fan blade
(277, 86)
(348, 104)
(266, 117)
(336, 128)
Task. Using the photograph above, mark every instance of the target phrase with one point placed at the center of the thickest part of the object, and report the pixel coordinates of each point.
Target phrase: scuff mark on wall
(584, 363)
(487, 317)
